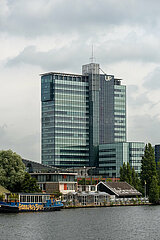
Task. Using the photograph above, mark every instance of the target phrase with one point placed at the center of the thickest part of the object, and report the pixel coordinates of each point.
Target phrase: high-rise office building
(112, 108)
(70, 117)
(114, 150)
(65, 119)
(91, 71)
(79, 113)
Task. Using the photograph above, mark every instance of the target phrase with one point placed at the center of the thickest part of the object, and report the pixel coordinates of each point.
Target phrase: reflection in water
(93, 223)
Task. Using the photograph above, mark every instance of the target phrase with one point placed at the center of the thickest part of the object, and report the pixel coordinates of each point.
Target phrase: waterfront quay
(118, 202)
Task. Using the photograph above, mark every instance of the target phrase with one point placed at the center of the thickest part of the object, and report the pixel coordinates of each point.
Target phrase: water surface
(120, 223)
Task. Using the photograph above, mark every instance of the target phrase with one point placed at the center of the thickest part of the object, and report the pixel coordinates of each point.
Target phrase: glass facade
(136, 151)
(65, 120)
(112, 110)
(112, 156)
(44, 177)
(81, 115)
(70, 117)
(92, 72)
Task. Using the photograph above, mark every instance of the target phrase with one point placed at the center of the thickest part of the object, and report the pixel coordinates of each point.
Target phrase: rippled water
(109, 223)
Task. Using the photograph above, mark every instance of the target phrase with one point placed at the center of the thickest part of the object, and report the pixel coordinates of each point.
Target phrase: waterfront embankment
(106, 205)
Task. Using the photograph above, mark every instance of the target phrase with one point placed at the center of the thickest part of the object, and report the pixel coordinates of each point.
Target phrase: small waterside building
(56, 182)
(52, 179)
(119, 189)
(86, 199)
(87, 188)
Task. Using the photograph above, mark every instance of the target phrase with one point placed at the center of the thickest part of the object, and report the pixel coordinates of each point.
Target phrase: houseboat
(29, 202)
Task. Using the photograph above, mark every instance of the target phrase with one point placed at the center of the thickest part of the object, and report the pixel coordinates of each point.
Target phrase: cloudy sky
(57, 35)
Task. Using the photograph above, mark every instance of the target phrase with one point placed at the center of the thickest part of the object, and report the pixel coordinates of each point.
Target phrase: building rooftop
(121, 189)
(60, 73)
(35, 167)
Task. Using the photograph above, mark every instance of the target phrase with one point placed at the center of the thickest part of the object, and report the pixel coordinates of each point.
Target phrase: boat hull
(8, 209)
(43, 210)
(15, 209)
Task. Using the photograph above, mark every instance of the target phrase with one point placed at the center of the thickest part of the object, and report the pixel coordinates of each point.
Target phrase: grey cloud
(5, 140)
(139, 100)
(152, 81)
(132, 89)
(27, 146)
(76, 53)
(3, 133)
(58, 60)
(41, 17)
(127, 49)
(144, 128)
(136, 99)
(155, 105)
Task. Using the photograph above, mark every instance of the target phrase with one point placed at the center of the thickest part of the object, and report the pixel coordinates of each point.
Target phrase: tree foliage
(135, 180)
(154, 191)
(13, 175)
(29, 184)
(123, 173)
(11, 169)
(158, 173)
(128, 174)
(148, 168)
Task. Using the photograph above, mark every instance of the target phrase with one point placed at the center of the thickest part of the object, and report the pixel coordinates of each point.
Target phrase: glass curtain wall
(92, 72)
(111, 158)
(112, 110)
(65, 121)
(136, 152)
(119, 112)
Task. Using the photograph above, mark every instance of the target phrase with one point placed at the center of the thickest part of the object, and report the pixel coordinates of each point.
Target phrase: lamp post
(91, 175)
(85, 177)
(145, 188)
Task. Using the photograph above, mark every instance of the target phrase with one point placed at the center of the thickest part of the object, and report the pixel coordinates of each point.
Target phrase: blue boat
(30, 202)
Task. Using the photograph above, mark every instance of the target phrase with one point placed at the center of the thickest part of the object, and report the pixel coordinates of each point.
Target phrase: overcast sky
(57, 35)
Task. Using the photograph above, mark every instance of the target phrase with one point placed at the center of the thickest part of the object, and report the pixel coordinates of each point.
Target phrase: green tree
(154, 191)
(129, 174)
(13, 175)
(126, 173)
(158, 173)
(11, 169)
(28, 185)
(123, 173)
(148, 168)
(135, 180)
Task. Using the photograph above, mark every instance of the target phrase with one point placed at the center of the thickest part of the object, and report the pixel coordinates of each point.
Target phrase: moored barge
(30, 202)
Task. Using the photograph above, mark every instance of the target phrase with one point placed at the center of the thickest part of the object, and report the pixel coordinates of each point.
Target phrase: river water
(111, 223)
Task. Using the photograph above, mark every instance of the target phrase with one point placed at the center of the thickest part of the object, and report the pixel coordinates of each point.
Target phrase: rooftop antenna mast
(92, 58)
